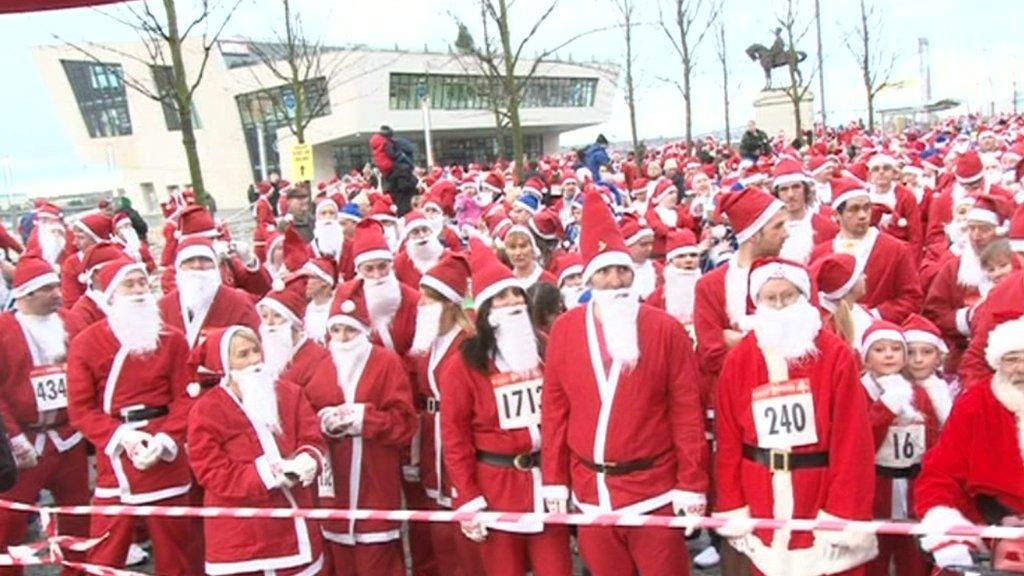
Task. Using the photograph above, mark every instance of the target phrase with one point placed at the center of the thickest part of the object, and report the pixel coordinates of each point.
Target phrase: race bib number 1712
(518, 399)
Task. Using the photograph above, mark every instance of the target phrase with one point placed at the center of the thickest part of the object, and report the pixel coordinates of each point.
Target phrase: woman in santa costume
(364, 400)
(905, 426)
(793, 436)
(840, 286)
(523, 254)
(973, 475)
(254, 441)
(490, 426)
(442, 325)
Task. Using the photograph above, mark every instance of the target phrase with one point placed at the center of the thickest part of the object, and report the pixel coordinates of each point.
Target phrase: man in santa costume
(201, 301)
(624, 432)
(792, 431)
(127, 378)
(87, 230)
(92, 306)
(665, 214)
(568, 272)
(902, 216)
(970, 181)
(50, 239)
(973, 475)
(893, 288)
(328, 234)
(287, 351)
(49, 453)
(639, 238)
(364, 401)
(822, 168)
(421, 250)
(136, 248)
(681, 273)
(238, 265)
(807, 224)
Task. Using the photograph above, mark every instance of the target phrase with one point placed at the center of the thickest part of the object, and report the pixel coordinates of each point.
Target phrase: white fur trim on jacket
(1004, 338)
(738, 522)
(940, 519)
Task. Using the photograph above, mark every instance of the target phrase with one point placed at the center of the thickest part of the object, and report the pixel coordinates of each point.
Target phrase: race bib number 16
(50, 387)
(518, 399)
(784, 414)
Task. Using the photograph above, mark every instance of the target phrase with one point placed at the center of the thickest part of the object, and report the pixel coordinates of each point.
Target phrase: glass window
(469, 92)
(100, 93)
(163, 78)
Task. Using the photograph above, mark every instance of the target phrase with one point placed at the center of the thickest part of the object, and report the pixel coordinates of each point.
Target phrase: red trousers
(172, 539)
(421, 548)
(387, 559)
(456, 554)
(857, 571)
(66, 476)
(909, 559)
(511, 554)
(627, 551)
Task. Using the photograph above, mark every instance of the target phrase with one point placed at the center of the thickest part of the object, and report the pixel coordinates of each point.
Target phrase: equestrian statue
(776, 57)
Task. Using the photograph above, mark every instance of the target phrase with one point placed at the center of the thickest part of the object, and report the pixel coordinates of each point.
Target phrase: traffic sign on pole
(302, 162)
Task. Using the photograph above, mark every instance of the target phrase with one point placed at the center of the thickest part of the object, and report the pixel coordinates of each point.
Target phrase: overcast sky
(976, 56)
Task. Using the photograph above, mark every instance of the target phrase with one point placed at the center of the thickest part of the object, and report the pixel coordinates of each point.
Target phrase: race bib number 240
(784, 414)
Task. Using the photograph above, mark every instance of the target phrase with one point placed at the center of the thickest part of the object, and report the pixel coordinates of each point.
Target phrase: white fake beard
(259, 395)
(516, 341)
(969, 273)
(571, 296)
(619, 311)
(680, 286)
(383, 297)
(348, 356)
(316, 320)
(425, 253)
(955, 232)
(391, 237)
(789, 332)
(131, 242)
(436, 224)
(48, 335)
(428, 325)
(329, 236)
(277, 347)
(51, 242)
(99, 298)
(197, 288)
(645, 278)
(135, 322)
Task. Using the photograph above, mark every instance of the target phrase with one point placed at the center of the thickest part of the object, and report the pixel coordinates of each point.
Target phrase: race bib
(325, 481)
(784, 414)
(903, 447)
(518, 399)
(50, 387)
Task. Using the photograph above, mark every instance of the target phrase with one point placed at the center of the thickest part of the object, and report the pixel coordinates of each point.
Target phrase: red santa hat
(97, 226)
(749, 210)
(118, 220)
(494, 182)
(920, 330)
(323, 268)
(835, 275)
(969, 168)
(680, 243)
(568, 265)
(846, 189)
(383, 209)
(520, 229)
(196, 222)
(639, 185)
(881, 330)
(468, 183)
(534, 187)
(295, 251)
(819, 163)
(881, 159)
(97, 255)
(290, 301)
(547, 225)
(635, 229)
(662, 189)
(601, 242)
(443, 194)
(31, 274)
(113, 273)
(858, 172)
(1006, 337)
(46, 208)
(349, 307)
(413, 220)
(765, 269)
(914, 167)
(1016, 233)
(490, 276)
(326, 201)
(449, 277)
(569, 177)
(989, 210)
(209, 360)
(369, 243)
(194, 247)
(788, 171)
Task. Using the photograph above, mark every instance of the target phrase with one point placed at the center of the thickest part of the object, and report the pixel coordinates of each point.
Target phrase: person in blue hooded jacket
(594, 157)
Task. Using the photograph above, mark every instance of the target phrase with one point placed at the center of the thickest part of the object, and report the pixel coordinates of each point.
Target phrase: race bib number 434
(784, 414)
(50, 387)
(518, 399)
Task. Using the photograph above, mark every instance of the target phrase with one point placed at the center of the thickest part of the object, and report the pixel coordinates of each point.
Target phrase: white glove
(690, 504)
(897, 394)
(146, 454)
(474, 530)
(737, 524)
(556, 505)
(953, 555)
(411, 473)
(134, 440)
(352, 418)
(24, 453)
(302, 466)
(330, 422)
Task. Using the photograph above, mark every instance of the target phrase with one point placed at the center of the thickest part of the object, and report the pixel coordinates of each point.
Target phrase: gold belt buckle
(523, 462)
(785, 460)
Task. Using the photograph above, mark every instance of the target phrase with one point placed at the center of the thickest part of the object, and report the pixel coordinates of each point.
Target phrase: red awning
(11, 6)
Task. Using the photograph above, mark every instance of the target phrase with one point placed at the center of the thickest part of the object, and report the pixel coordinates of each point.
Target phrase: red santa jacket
(71, 289)
(1005, 300)
(104, 380)
(232, 458)
(710, 319)
(940, 212)
(661, 228)
(429, 368)
(305, 362)
(406, 270)
(893, 288)
(949, 304)
(906, 222)
(652, 411)
(8, 242)
(368, 466)
(230, 307)
(87, 311)
(841, 489)
(18, 398)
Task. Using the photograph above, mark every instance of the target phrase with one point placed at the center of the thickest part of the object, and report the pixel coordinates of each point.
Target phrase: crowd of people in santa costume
(832, 333)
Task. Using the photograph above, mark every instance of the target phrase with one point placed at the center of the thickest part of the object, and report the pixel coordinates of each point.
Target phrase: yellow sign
(302, 162)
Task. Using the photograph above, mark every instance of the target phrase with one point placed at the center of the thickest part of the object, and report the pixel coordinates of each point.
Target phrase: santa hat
(680, 243)
(120, 219)
(918, 329)
(601, 241)
(1016, 233)
(413, 220)
(209, 360)
(662, 189)
(1006, 337)
(569, 177)
(749, 211)
(787, 171)
(369, 243)
(846, 189)
(323, 268)
(290, 301)
(765, 269)
(490, 276)
(835, 275)
(274, 241)
(97, 226)
(639, 185)
(914, 167)
(449, 277)
(989, 210)
(528, 202)
(45, 208)
(195, 247)
(196, 222)
(819, 163)
(494, 182)
(383, 209)
(497, 223)
(520, 229)
(113, 273)
(97, 255)
(635, 229)
(881, 159)
(31, 274)
(468, 182)
(349, 307)
(534, 187)
(881, 330)
(568, 265)
(295, 251)
(327, 202)
(858, 172)
(443, 194)
(969, 168)
(351, 212)
(547, 225)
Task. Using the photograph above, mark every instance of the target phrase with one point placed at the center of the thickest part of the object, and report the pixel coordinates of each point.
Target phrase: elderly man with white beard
(127, 378)
(793, 436)
(254, 441)
(421, 250)
(49, 453)
(681, 272)
(287, 351)
(623, 431)
(49, 239)
(201, 301)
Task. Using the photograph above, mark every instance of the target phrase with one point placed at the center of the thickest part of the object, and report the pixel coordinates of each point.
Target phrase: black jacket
(8, 467)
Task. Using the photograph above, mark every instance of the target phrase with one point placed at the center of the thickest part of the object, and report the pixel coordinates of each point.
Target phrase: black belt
(429, 404)
(42, 427)
(143, 414)
(621, 468)
(908, 472)
(779, 461)
(522, 462)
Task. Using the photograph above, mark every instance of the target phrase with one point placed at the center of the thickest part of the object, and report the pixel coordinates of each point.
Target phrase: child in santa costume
(905, 426)
(666, 214)
(569, 272)
(926, 352)
(490, 426)
(421, 249)
(793, 436)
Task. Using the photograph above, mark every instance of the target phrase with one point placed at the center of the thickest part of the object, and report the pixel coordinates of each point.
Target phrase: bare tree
(162, 37)
(627, 10)
(692, 20)
(723, 59)
(876, 65)
(798, 86)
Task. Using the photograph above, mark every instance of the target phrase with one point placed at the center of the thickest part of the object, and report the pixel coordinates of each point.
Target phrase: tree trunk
(184, 101)
(630, 93)
(871, 113)
(725, 84)
(686, 100)
(511, 90)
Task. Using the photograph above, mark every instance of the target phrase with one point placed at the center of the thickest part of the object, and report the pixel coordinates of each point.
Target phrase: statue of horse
(773, 58)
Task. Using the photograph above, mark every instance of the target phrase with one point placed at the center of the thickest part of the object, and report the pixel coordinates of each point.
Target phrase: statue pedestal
(773, 112)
